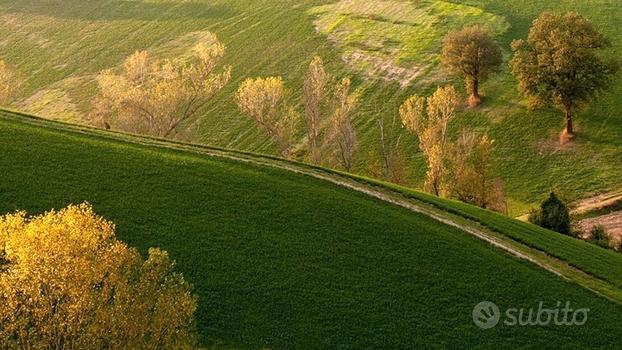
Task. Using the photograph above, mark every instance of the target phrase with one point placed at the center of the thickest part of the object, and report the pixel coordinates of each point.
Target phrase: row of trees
(461, 167)
(327, 119)
(557, 65)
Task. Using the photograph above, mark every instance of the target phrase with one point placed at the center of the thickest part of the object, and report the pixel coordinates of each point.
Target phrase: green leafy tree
(553, 215)
(473, 54)
(559, 64)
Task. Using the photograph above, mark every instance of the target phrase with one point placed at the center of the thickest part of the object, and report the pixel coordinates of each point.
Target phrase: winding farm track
(556, 266)
(597, 202)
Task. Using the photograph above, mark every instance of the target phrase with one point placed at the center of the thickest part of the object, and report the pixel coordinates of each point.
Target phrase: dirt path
(395, 199)
(612, 223)
(539, 258)
(597, 202)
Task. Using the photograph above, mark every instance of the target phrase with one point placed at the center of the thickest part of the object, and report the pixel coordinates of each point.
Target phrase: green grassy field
(284, 261)
(58, 47)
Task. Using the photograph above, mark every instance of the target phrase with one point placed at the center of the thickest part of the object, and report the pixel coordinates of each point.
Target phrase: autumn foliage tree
(66, 282)
(315, 91)
(559, 64)
(388, 161)
(473, 54)
(429, 119)
(341, 137)
(472, 179)
(264, 100)
(328, 113)
(160, 98)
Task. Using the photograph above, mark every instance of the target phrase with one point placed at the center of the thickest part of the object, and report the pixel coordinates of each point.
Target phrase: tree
(559, 64)
(553, 215)
(390, 164)
(66, 282)
(341, 136)
(162, 99)
(8, 84)
(472, 53)
(263, 99)
(599, 236)
(315, 86)
(429, 119)
(472, 179)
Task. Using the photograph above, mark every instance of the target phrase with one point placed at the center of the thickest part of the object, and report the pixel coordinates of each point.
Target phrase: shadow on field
(110, 10)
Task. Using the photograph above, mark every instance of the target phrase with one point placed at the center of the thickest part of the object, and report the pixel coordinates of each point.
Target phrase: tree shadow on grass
(111, 10)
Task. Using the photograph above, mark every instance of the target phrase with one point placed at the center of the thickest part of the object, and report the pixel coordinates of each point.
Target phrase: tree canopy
(161, 98)
(473, 54)
(553, 215)
(265, 101)
(66, 282)
(559, 63)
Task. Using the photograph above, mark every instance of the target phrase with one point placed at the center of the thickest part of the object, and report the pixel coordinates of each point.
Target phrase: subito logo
(486, 315)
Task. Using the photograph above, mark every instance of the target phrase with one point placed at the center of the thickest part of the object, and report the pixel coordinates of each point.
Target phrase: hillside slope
(281, 259)
(58, 47)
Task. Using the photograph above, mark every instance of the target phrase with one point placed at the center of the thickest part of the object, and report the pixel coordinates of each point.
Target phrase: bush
(553, 215)
(535, 217)
(66, 282)
(599, 236)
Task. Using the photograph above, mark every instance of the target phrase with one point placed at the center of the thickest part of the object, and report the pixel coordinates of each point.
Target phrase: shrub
(598, 235)
(553, 215)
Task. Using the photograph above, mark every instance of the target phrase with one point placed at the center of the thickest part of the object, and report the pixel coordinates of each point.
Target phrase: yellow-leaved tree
(429, 119)
(264, 100)
(327, 117)
(315, 92)
(160, 98)
(66, 282)
(340, 140)
(472, 176)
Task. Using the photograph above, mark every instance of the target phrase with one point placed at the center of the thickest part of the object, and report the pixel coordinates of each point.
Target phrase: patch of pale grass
(396, 40)
(55, 103)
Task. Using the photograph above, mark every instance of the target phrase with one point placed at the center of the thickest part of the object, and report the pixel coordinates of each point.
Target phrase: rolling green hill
(58, 47)
(283, 255)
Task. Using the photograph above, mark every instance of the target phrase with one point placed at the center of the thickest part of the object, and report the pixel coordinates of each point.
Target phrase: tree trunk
(473, 86)
(569, 126)
(568, 134)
